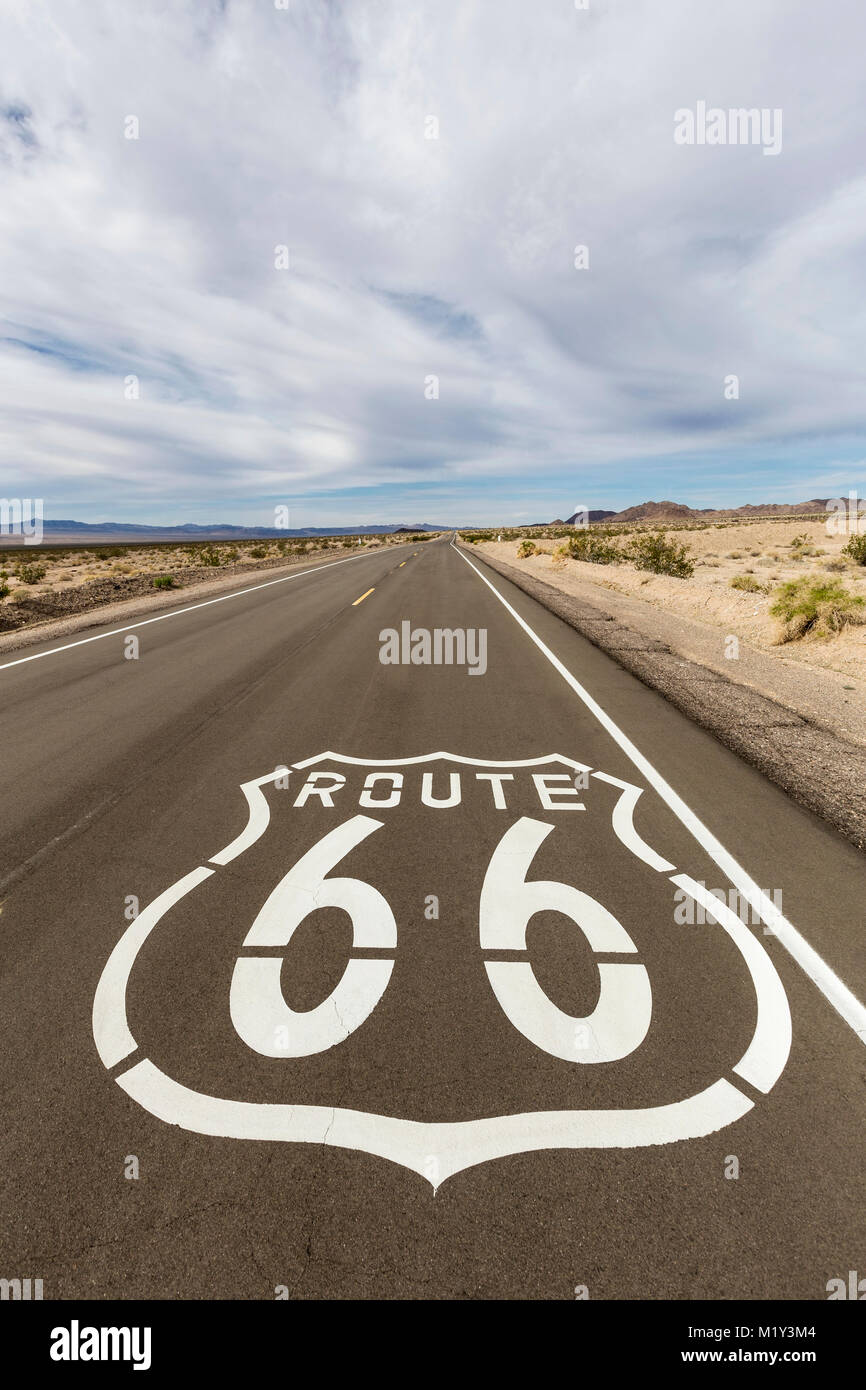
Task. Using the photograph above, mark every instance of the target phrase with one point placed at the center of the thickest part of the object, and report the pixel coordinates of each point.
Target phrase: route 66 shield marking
(547, 813)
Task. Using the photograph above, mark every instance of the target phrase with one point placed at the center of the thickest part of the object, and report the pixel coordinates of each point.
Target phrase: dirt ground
(38, 584)
(70, 569)
(761, 550)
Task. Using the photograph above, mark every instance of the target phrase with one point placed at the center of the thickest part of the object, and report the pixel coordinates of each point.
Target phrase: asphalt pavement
(344, 977)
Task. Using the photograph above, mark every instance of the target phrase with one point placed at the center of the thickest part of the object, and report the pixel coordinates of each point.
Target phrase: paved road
(423, 1015)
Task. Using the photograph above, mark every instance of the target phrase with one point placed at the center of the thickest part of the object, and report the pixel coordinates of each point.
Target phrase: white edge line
(846, 1004)
(190, 608)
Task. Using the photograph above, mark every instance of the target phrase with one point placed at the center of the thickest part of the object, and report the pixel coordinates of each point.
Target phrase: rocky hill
(678, 511)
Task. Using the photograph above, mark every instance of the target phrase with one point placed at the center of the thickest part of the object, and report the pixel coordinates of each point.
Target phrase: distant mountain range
(71, 531)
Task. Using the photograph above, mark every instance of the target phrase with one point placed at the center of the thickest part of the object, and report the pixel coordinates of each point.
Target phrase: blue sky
(159, 362)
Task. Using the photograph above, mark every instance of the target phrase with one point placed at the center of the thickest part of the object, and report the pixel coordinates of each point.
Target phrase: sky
(322, 254)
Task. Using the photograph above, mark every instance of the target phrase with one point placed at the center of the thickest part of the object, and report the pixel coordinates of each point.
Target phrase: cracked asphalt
(446, 1081)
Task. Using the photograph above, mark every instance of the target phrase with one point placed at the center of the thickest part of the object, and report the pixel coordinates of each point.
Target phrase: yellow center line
(363, 596)
(401, 564)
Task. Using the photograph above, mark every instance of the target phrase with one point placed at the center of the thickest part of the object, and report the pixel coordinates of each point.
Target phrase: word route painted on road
(535, 1013)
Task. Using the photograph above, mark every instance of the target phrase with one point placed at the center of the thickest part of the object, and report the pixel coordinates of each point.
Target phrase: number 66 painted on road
(261, 1016)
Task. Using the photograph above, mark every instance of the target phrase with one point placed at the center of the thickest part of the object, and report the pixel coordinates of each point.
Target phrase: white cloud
(411, 256)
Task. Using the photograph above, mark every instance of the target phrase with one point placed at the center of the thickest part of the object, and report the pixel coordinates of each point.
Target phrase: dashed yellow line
(401, 564)
(363, 596)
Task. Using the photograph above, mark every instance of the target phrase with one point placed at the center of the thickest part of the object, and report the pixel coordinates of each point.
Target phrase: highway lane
(104, 714)
(447, 1128)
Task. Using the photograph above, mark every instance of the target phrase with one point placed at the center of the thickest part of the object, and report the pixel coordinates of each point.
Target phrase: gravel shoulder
(799, 725)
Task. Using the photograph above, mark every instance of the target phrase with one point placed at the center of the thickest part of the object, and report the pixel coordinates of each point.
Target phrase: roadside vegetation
(39, 582)
(856, 548)
(748, 584)
(592, 546)
(30, 573)
(563, 531)
(651, 547)
(654, 552)
(790, 583)
(815, 607)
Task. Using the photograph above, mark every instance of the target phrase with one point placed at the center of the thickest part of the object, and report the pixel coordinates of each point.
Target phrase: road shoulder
(787, 740)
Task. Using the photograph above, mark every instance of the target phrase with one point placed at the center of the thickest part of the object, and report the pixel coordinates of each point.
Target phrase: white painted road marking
(412, 1143)
(258, 1009)
(110, 1028)
(190, 608)
(437, 1150)
(846, 1004)
(768, 1051)
(621, 1018)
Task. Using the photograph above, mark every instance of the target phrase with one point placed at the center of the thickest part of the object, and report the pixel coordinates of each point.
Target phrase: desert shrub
(525, 549)
(31, 574)
(209, 555)
(837, 564)
(816, 607)
(258, 552)
(654, 552)
(856, 548)
(592, 547)
(747, 584)
(163, 581)
(4, 588)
